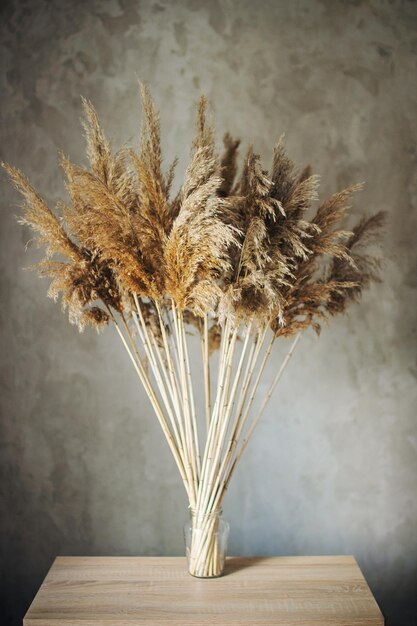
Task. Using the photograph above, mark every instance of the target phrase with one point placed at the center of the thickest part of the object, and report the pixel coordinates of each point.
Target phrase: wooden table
(158, 591)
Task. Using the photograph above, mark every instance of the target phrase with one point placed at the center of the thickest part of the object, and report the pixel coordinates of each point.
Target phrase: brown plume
(235, 247)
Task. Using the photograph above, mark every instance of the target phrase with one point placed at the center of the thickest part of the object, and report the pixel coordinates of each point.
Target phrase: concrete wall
(332, 468)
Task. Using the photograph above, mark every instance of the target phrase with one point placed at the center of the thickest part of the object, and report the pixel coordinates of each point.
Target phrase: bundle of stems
(164, 370)
(236, 261)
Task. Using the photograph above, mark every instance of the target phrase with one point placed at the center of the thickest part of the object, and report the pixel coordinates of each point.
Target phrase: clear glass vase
(206, 536)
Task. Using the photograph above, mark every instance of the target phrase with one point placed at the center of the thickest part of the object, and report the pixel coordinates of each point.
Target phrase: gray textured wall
(332, 468)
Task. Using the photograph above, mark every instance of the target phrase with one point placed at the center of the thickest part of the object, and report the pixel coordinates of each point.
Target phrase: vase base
(202, 577)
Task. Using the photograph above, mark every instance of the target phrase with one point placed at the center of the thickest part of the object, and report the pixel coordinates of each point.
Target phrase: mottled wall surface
(333, 466)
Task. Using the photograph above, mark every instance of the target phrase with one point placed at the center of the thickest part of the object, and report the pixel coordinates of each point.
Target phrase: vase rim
(197, 512)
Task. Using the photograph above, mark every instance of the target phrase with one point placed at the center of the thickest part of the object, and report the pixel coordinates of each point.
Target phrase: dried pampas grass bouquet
(238, 258)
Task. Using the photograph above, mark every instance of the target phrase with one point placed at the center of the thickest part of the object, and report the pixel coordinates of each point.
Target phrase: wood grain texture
(158, 591)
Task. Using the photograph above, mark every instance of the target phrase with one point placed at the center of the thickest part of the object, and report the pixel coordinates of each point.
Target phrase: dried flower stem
(187, 419)
(175, 392)
(150, 350)
(206, 366)
(225, 418)
(191, 395)
(156, 406)
(237, 424)
(265, 402)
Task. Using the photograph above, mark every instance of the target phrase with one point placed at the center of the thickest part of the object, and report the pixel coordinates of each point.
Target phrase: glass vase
(206, 536)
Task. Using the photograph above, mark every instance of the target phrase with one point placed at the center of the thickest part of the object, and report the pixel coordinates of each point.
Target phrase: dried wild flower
(231, 256)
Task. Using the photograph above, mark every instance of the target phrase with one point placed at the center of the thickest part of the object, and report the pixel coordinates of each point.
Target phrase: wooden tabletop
(158, 591)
